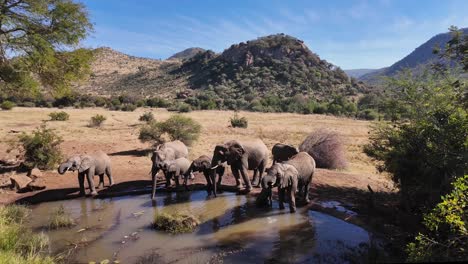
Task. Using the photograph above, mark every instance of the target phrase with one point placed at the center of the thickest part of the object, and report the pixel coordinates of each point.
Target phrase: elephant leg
(292, 200)
(176, 179)
(167, 175)
(237, 177)
(89, 177)
(220, 172)
(185, 182)
(109, 175)
(306, 192)
(101, 181)
(209, 185)
(281, 194)
(254, 179)
(261, 168)
(245, 177)
(81, 177)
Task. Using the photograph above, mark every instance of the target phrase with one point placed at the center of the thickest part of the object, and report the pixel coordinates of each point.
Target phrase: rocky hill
(277, 65)
(186, 54)
(416, 60)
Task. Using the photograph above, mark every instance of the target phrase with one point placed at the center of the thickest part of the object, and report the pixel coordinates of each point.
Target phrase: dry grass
(123, 127)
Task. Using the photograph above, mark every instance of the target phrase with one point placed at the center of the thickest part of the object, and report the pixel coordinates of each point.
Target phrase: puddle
(232, 230)
(338, 207)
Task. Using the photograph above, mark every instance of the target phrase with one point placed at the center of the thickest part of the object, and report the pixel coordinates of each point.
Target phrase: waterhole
(232, 230)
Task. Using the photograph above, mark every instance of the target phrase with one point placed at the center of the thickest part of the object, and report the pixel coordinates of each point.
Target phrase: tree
(37, 38)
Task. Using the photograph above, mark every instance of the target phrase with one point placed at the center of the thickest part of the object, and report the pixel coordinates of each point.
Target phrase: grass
(175, 223)
(60, 218)
(18, 244)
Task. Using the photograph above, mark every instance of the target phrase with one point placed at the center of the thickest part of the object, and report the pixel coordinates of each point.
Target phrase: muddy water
(232, 230)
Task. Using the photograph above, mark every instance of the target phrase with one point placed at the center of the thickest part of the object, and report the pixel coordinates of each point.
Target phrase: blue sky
(350, 34)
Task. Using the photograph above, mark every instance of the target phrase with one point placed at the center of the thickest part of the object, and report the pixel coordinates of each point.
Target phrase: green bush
(237, 121)
(128, 107)
(7, 105)
(182, 128)
(177, 127)
(41, 148)
(447, 229)
(147, 117)
(60, 218)
(97, 120)
(175, 223)
(368, 114)
(157, 102)
(184, 108)
(59, 116)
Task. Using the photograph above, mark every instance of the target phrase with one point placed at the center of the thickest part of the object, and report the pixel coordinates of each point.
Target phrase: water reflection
(233, 230)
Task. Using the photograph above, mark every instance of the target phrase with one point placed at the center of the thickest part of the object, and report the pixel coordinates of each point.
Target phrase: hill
(356, 73)
(274, 68)
(419, 58)
(186, 54)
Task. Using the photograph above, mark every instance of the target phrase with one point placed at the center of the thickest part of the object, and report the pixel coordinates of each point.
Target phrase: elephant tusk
(215, 167)
(67, 169)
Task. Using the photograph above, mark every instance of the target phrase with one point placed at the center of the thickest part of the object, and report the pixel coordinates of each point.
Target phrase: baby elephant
(203, 164)
(285, 177)
(173, 169)
(89, 165)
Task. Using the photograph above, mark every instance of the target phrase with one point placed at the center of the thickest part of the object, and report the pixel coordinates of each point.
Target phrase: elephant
(167, 151)
(173, 169)
(203, 164)
(285, 177)
(305, 166)
(283, 152)
(89, 165)
(242, 156)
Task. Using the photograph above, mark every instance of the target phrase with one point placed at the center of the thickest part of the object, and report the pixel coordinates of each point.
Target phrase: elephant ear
(289, 176)
(85, 164)
(236, 150)
(204, 164)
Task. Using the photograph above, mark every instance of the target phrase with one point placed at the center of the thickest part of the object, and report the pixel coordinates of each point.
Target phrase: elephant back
(180, 149)
(304, 164)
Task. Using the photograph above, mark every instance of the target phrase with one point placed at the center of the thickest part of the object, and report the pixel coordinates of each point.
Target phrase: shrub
(326, 148)
(7, 105)
(177, 127)
(59, 116)
(184, 108)
(237, 121)
(182, 128)
(97, 120)
(157, 102)
(128, 107)
(368, 114)
(41, 148)
(151, 133)
(18, 244)
(60, 218)
(447, 229)
(147, 117)
(175, 223)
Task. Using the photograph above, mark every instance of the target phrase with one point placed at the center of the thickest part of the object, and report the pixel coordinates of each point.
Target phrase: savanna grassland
(118, 136)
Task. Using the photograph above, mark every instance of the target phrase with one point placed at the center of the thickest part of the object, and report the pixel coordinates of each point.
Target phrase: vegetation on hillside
(425, 148)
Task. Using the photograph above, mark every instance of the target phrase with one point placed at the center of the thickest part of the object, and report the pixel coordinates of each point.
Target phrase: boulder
(20, 181)
(37, 184)
(35, 173)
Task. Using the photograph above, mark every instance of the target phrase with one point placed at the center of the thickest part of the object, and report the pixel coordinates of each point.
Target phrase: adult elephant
(242, 156)
(303, 163)
(89, 165)
(165, 152)
(283, 152)
(203, 164)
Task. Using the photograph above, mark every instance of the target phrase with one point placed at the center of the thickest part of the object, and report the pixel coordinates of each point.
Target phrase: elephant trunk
(154, 171)
(63, 167)
(213, 182)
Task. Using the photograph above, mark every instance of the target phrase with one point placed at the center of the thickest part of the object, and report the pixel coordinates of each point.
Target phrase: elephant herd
(291, 171)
